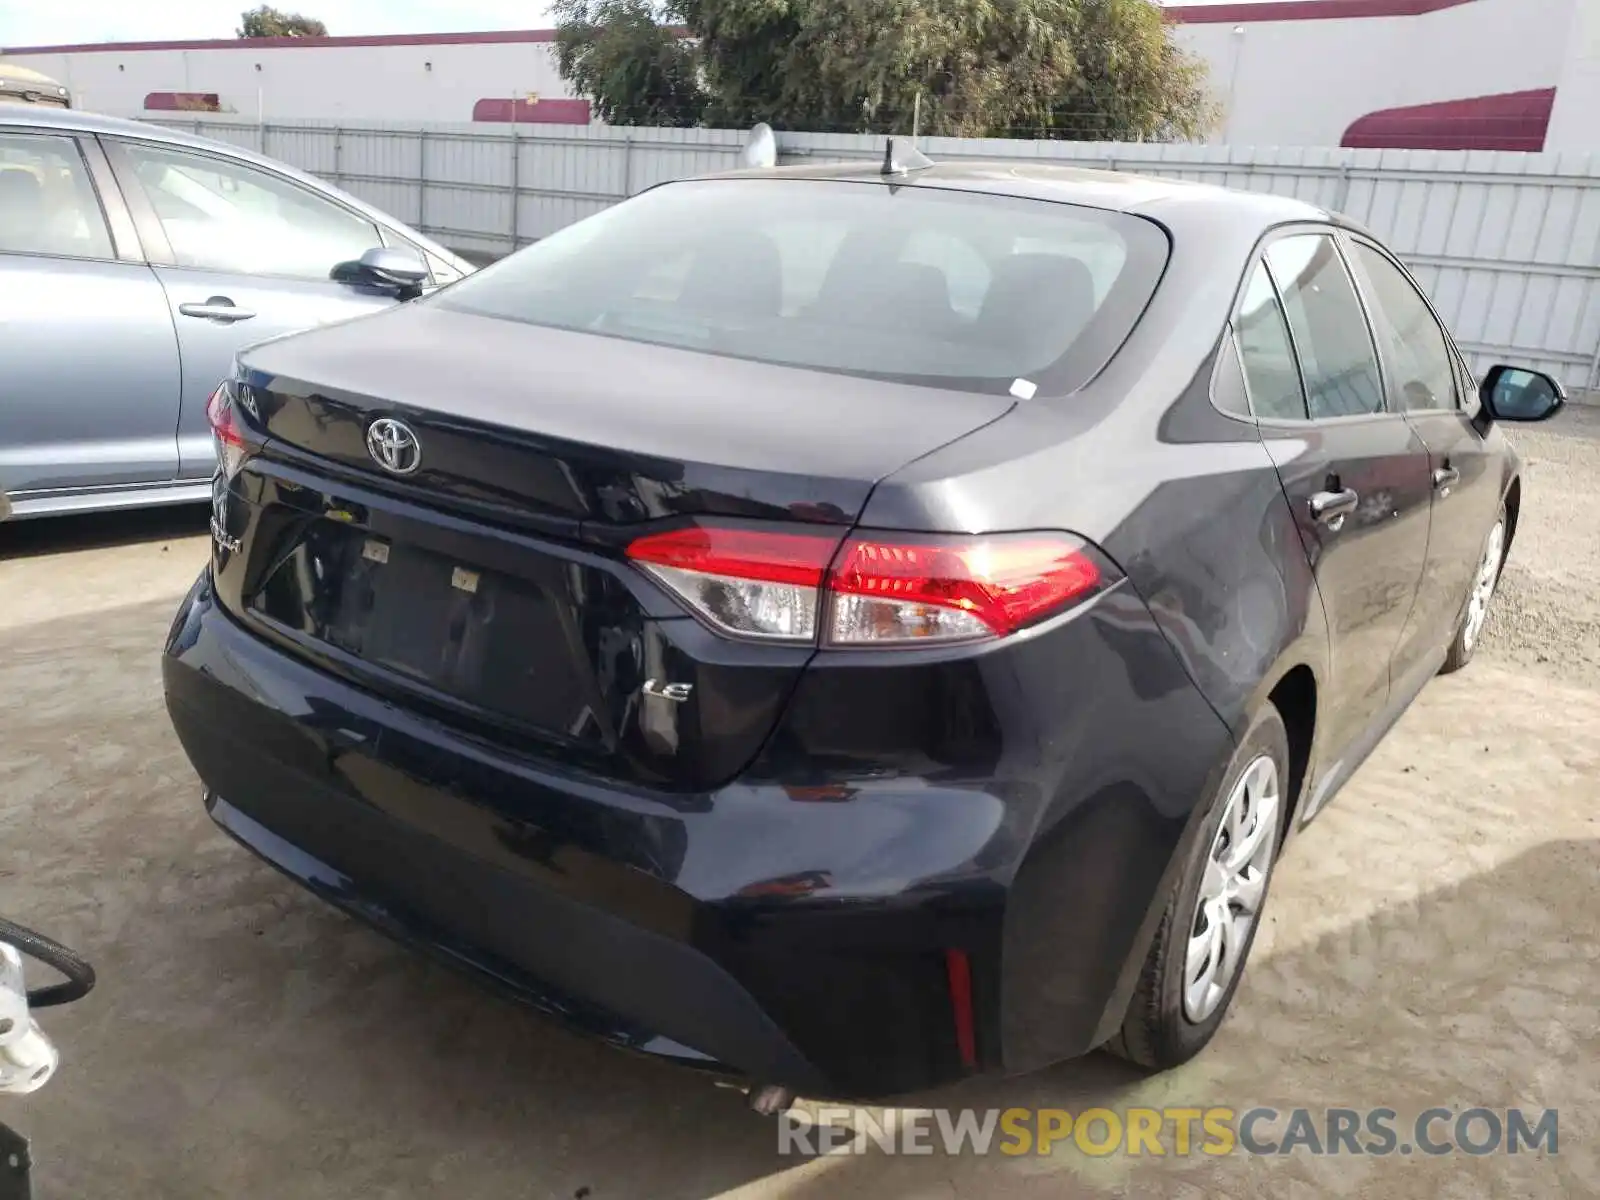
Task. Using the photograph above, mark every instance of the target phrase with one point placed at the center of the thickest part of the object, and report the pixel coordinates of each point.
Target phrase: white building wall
(1575, 123)
(394, 82)
(1304, 82)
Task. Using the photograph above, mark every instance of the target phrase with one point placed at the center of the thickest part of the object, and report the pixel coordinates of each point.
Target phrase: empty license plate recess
(494, 640)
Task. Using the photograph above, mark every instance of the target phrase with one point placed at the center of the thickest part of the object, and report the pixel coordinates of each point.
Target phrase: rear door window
(1334, 344)
(1418, 354)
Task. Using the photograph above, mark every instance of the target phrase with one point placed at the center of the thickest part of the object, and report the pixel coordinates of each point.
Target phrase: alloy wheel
(1483, 586)
(1232, 888)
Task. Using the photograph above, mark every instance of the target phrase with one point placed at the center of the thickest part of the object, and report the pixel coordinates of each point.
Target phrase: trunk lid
(545, 423)
(488, 583)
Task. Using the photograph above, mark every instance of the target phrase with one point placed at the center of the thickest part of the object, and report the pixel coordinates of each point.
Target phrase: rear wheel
(1483, 588)
(1195, 962)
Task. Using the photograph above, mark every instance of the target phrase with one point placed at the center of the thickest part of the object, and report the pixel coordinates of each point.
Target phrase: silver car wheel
(1232, 888)
(1483, 587)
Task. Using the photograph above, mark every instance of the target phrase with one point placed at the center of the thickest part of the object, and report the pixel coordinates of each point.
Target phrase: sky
(41, 22)
(55, 22)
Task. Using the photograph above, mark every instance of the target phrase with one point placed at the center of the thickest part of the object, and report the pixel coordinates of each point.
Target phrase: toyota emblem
(393, 446)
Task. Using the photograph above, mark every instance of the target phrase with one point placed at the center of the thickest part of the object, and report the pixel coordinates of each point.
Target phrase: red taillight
(911, 589)
(760, 554)
(757, 583)
(882, 589)
(224, 424)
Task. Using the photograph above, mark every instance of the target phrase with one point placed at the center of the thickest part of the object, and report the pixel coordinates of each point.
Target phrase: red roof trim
(1510, 121)
(183, 102)
(540, 112)
(1303, 10)
(302, 43)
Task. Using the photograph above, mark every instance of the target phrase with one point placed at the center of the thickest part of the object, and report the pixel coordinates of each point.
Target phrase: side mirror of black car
(392, 268)
(1517, 394)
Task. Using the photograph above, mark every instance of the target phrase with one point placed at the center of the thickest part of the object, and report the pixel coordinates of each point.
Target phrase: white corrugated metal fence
(1508, 245)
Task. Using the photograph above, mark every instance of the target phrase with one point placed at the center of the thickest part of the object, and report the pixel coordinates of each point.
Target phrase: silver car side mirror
(395, 267)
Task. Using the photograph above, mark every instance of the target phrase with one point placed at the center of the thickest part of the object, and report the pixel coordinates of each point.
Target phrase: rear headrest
(910, 296)
(736, 272)
(920, 281)
(21, 200)
(19, 186)
(1036, 304)
(864, 291)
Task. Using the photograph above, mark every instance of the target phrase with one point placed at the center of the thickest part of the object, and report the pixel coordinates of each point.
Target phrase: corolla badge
(246, 397)
(393, 446)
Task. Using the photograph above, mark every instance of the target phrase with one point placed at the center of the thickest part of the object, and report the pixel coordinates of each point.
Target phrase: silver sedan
(135, 261)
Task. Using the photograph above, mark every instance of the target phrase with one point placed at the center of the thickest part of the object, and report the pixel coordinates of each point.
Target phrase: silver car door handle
(1331, 508)
(1444, 479)
(212, 311)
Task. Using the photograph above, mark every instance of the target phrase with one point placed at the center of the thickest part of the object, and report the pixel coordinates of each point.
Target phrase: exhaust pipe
(769, 1100)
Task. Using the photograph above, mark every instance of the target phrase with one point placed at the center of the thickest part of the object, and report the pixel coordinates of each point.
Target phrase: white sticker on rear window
(1024, 389)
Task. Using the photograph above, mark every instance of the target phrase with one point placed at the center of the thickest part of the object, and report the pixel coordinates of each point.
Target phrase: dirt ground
(1434, 939)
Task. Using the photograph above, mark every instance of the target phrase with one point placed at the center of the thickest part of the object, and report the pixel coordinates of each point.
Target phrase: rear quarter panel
(1187, 502)
(1219, 603)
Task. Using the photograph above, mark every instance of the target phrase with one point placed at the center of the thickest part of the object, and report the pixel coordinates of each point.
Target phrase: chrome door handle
(1331, 508)
(211, 310)
(1444, 479)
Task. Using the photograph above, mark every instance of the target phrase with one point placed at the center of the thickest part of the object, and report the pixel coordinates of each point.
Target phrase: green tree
(636, 69)
(1091, 69)
(269, 22)
(1132, 81)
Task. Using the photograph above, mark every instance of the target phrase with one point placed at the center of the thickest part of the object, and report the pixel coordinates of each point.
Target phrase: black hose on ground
(79, 974)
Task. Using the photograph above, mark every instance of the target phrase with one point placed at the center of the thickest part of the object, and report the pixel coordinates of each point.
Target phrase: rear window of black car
(913, 283)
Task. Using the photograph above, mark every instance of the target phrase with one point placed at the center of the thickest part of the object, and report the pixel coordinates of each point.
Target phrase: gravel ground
(1547, 615)
(1433, 940)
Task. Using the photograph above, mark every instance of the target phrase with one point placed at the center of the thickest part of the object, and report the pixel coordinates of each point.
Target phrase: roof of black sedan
(1118, 191)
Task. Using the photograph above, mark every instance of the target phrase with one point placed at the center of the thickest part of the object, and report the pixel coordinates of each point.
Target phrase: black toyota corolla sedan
(849, 628)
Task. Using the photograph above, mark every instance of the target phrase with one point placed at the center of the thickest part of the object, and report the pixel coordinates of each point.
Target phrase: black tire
(1461, 649)
(1157, 1033)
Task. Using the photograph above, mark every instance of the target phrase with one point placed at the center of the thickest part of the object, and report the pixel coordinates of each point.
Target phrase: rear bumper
(795, 935)
(588, 949)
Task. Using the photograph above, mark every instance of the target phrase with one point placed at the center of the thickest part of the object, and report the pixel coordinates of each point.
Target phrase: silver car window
(225, 216)
(47, 203)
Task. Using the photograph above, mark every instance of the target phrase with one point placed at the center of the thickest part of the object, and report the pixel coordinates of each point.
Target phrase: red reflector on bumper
(959, 970)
